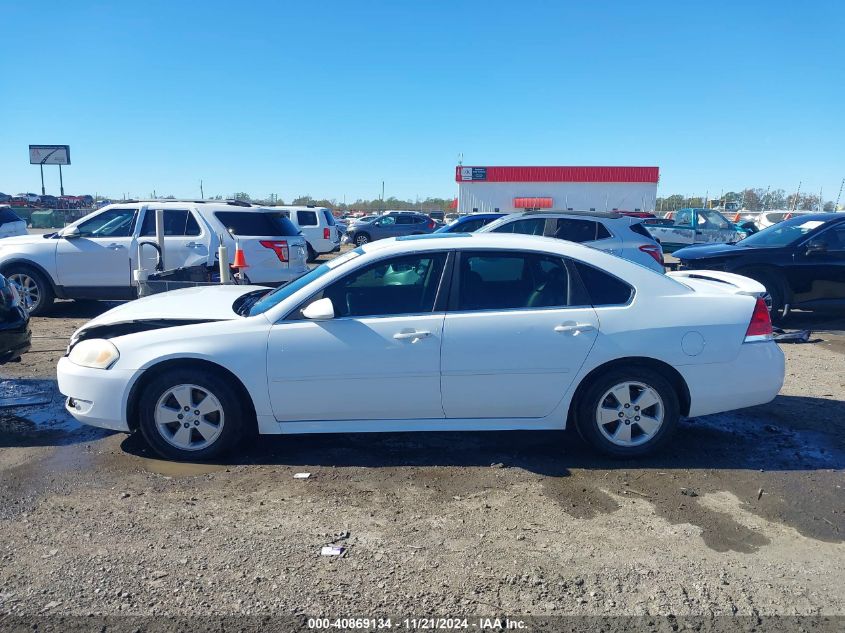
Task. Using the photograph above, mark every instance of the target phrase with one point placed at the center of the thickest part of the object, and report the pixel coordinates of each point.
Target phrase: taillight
(655, 251)
(760, 328)
(431, 224)
(327, 234)
(280, 247)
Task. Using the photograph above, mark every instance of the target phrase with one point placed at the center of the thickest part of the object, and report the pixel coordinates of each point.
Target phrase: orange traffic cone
(240, 260)
(736, 217)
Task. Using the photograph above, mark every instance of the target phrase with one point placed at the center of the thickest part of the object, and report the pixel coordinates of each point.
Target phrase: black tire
(361, 239)
(234, 420)
(312, 254)
(777, 293)
(587, 412)
(31, 283)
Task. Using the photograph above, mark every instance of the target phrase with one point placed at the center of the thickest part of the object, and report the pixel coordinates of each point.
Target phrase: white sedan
(430, 333)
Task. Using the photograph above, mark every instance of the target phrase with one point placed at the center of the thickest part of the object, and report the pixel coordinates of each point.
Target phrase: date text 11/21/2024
(422, 623)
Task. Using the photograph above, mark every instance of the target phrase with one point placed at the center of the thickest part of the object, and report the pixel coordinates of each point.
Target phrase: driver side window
(111, 223)
(400, 285)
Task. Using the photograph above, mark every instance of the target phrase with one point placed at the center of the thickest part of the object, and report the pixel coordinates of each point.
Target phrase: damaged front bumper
(96, 397)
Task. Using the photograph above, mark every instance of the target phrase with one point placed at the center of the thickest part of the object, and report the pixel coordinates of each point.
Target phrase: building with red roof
(563, 188)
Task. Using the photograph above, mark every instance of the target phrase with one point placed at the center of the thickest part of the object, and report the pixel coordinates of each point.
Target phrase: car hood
(31, 238)
(704, 251)
(190, 305)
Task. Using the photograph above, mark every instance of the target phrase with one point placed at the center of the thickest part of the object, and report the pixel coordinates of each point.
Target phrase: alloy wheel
(189, 417)
(630, 413)
(28, 289)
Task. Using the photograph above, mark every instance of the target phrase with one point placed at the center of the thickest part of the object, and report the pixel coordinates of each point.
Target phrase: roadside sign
(49, 154)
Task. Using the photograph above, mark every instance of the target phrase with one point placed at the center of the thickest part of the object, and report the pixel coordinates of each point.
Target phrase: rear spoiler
(737, 283)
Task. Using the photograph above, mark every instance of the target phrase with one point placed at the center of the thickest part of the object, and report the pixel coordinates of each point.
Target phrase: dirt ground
(743, 515)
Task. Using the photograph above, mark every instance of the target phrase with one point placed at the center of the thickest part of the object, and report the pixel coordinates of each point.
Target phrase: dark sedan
(801, 261)
(15, 334)
(470, 222)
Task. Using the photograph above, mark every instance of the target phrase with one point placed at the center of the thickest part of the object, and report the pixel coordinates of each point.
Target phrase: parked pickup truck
(685, 227)
(94, 258)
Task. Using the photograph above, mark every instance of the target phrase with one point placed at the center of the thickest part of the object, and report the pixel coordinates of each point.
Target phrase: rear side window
(502, 281)
(529, 226)
(639, 229)
(306, 218)
(263, 224)
(603, 289)
(580, 230)
(177, 222)
(329, 217)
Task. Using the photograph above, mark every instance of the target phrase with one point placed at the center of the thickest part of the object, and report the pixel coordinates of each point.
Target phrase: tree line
(753, 199)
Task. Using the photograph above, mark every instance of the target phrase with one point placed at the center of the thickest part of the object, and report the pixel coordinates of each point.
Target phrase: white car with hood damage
(452, 332)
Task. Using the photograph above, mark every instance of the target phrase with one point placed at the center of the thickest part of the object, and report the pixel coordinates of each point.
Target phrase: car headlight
(97, 353)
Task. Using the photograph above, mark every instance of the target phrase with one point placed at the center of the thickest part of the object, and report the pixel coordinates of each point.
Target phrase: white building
(508, 189)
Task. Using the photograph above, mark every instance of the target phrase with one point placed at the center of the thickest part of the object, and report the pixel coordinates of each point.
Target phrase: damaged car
(455, 332)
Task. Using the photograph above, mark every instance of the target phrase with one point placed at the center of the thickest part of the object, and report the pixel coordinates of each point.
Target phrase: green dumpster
(45, 219)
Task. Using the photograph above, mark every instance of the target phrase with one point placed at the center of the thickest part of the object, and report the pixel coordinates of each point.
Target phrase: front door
(514, 337)
(819, 271)
(99, 259)
(378, 359)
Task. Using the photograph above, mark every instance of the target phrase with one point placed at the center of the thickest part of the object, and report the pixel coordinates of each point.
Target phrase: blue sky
(330, 98)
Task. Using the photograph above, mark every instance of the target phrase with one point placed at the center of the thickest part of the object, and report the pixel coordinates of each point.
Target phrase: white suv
(94, 258)
(318, 226)
(613, 232)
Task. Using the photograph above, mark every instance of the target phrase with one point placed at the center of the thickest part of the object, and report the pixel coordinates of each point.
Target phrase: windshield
(783, 233)
(281, 293)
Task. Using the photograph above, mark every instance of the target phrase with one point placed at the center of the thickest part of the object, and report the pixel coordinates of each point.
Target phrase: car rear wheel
(628, 412)
(361, 239)
(35, 291)
(312, 254)
(190, 415)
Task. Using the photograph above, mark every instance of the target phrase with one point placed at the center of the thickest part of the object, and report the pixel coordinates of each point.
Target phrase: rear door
(186, 240)
(516, 334)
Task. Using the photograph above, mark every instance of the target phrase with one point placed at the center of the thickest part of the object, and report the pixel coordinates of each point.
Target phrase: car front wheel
(35, 291)
(628, 413)
(191, 415)
(361, 239)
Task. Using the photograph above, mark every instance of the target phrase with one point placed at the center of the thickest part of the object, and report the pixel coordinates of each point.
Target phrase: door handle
(115, 247)
(412, 336)
(194, 244)
(575, 328)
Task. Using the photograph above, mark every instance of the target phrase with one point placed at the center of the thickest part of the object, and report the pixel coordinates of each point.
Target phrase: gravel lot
(744, 514)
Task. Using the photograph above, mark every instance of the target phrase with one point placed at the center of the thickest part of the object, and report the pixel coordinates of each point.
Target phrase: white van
(318, 226)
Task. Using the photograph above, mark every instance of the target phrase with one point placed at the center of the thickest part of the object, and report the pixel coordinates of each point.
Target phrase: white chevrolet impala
(430, 333)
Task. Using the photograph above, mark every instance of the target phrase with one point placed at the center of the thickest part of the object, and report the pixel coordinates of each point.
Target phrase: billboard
(49, 154)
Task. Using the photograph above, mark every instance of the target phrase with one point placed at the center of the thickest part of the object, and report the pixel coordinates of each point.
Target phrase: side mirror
(815, 246)
(319, 310)
(71, 233)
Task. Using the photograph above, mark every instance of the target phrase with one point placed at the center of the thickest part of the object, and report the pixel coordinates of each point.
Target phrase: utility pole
(202, 193)
(382, 195)
(61, 182)
(839, 195)
(797, 194)
(43, 191)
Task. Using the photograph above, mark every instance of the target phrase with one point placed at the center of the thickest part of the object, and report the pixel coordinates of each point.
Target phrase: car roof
(612, 215)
